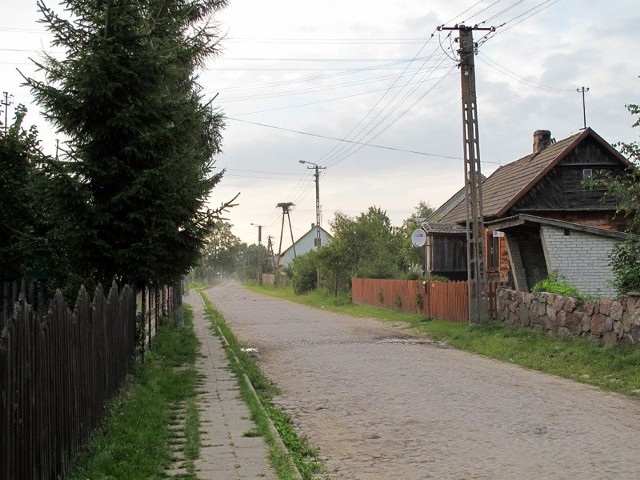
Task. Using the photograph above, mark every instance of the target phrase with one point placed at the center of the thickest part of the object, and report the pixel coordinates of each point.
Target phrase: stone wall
(614, 321)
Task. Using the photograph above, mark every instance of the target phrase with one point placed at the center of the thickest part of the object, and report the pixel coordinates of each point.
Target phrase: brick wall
(582, 258)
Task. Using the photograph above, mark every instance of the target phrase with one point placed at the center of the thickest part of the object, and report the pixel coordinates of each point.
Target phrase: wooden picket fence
(442, 300)
(60, 368)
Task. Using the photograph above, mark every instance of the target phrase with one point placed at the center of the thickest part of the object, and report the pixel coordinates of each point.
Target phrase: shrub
(555, 283)
(625, 263)
(439, 278)
(413, 275)
(304, 273)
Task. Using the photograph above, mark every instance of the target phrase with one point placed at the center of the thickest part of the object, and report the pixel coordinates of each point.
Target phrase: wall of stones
(613, 321)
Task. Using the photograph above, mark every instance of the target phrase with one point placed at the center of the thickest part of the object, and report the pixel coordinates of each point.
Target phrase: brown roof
(510, 182)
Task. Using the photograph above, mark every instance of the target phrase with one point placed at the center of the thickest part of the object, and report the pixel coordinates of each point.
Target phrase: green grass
(304, 457)
(611, 367)
(134, 441)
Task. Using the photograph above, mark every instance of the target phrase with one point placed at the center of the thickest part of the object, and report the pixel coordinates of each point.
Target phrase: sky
(371, 92)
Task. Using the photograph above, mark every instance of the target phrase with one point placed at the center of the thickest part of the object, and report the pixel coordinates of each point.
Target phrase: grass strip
(610, 367)
(133, 443)
(262, 409)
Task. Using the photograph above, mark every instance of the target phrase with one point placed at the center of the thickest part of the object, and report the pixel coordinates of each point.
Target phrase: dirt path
(381, 405)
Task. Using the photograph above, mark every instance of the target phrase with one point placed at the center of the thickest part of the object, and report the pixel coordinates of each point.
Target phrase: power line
(514, 76)
(382, 130)
(343, 139)
(307, 90)
(307, 79)
(332, 154)
(298, 105)
(527, 14)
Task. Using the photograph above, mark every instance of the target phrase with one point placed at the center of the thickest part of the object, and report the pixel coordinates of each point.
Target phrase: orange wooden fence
(400, 295)
(441, 300)
(447, 301)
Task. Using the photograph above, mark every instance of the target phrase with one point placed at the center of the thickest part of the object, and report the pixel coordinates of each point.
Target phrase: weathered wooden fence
(441, 300)
(152, 303)
(60, 368)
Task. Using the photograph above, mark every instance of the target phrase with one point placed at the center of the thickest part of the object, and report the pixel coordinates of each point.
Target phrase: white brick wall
(582, 258)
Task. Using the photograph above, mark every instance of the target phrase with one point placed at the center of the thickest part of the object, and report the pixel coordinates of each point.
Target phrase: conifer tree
(130, 191)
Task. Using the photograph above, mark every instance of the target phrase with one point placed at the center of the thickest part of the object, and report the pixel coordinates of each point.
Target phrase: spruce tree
(130, 190)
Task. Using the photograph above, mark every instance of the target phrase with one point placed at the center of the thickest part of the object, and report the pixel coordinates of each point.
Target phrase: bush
(625, 263)
(304, 273)
(413, 275)
(555, 283)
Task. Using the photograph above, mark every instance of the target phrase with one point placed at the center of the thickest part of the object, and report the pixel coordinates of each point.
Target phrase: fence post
(143, 309)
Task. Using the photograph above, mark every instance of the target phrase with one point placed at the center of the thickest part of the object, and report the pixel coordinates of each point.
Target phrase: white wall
(304, 244)
(581, 257)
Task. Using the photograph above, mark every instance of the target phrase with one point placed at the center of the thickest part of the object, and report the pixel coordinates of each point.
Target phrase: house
(527, 202)
(304, 244)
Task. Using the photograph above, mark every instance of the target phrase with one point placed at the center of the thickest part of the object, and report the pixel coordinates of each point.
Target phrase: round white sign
(418, 237)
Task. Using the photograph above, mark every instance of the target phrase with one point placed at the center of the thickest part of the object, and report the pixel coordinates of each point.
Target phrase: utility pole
(478, 288)
(258, 253)
(583, 90)
(270, 251)
(316, 167)
(5, 103)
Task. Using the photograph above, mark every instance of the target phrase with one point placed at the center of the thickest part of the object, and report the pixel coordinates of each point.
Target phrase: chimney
(541, 140)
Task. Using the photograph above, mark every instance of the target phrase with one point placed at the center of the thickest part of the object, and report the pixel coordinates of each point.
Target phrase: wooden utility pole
(478, 288)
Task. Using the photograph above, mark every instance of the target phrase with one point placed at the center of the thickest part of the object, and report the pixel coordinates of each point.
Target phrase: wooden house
(556, 182)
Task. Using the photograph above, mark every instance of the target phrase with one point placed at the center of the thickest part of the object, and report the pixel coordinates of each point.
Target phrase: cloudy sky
(371, 91)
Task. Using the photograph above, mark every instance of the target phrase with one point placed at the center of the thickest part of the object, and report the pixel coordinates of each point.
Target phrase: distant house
(527, 202)
(304, 244)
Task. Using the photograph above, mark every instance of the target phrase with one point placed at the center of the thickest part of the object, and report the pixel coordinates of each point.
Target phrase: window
(493, 254)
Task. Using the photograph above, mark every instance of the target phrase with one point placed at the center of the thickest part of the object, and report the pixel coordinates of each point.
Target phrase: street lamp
(259, 232)
(316, 167)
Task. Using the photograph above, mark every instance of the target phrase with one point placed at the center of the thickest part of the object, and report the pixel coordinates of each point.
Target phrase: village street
(381, 404)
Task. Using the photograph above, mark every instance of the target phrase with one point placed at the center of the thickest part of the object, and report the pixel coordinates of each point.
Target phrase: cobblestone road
(382, 405)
